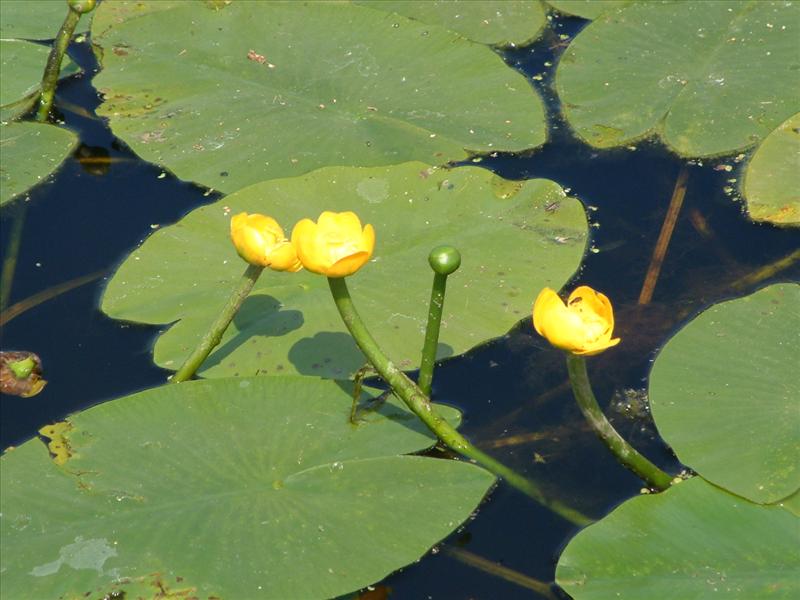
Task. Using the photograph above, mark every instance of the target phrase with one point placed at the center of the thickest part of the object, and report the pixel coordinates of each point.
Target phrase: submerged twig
(498, 570)
(664, 237)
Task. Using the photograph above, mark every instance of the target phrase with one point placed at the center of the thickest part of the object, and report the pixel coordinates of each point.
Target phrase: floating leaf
(29, 152)
(708, 77)
(692, 541)
(260, 90)
(236, 488)
(515, 242)
(587, 9)
(498, 22)
(772, 180)
(23, 19)
(21, 66)
(724, 394)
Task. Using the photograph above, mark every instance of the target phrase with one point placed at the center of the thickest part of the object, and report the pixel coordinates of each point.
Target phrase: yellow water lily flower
(583, 325)
(260, 241)
(335, 246)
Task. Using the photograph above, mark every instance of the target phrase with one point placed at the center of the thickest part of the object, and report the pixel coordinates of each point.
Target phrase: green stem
(53, 67)
(432, 333)
(420, 405)
(212, 338)
(625, 453)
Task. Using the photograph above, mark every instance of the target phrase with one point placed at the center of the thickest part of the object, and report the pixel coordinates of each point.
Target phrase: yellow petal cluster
(260, 241)
(335, 246)
(583, 325)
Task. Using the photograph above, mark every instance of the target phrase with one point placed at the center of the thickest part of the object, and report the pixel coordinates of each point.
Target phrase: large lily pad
(692, 541)
(725, 392)
(23, 19)
(708, 77)
(497, 22)
(588, 9)
(29, 152)
(245, 488)
(21, 66)
(515, 237)
(772, 181)
(231, 94)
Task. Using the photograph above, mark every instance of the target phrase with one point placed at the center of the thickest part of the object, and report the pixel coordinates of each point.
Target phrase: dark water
(512, 390)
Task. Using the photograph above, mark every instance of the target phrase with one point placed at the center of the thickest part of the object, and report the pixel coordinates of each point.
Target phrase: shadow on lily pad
(259, 316)
(327, 354)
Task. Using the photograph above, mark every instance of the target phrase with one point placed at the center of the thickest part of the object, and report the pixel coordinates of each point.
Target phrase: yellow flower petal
(583, 325)
(259, 240)
(335, 246)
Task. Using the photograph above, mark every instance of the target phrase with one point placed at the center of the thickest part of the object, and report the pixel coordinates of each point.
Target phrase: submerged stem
(214, 334)
(420, 405)
(625, 453)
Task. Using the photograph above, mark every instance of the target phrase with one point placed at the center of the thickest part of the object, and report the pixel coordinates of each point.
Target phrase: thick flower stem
(214, 334)
(625, 453)
(432, 333)
(419, 403)
(53, 67)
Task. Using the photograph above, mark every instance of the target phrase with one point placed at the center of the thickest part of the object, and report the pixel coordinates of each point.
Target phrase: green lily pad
(23, 19)
(496, 22)
(587, 9)
(29, 152)
(792, 503)
(772, 179)
(692, 541)
(515, 238)
(708, 77)
(724, 394)
(245, 488)
(21, 67)
(230, 96)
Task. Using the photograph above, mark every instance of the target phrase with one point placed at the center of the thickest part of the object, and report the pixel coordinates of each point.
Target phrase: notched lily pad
(230, 97)
(29, 152)
(772, 179)
(496, 22)
(515, 238)
(692, 541)
(724, 394)
(708, 77)
(232, 488)
(587, 9)
(23, 19)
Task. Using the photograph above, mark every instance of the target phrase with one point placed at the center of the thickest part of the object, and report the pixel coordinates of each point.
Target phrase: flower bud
(260, 241)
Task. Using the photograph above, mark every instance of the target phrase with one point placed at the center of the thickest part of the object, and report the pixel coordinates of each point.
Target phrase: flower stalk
(625, 453)
(420, 405)
(212, 338)
(56, 56)
(444, 260)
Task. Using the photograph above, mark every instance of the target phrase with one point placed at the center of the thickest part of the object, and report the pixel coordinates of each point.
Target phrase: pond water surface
(513, 391)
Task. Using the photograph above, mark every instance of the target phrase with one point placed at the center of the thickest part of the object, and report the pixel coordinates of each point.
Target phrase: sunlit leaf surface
(588, 9)
(772, 182)
(692, 541)
(708, 77)
(34, 20)
(515, 238)
(725, 391)
(29, 152)
(258, 90)
(237, 488)
(498, 22)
